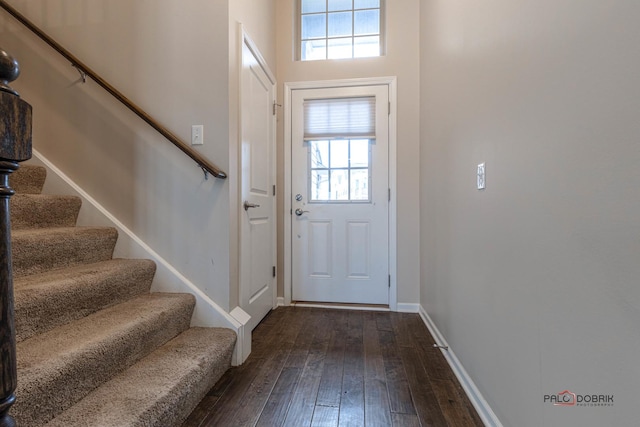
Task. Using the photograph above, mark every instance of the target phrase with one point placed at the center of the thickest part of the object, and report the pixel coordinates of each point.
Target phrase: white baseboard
(167, 279)
(485, 412)
(280, 302)
(408, 308)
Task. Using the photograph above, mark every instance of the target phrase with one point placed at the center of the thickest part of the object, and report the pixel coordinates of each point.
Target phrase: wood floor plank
(426, 403)
(397, 385)
(432, 358)
(352, 402)
(275, 409)
(330, 388)
(226, 406)
(376, 397)
(405, 420)
(199, 414)
(453, 407)
(325, 416)
(255, 398)
(401, 328)
(300, 351)
(304, 397)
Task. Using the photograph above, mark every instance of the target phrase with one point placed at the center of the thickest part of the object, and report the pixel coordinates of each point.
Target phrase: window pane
(340, 184)
(360, 184)
(310, 6)
(319, 154)
(339, 154)
(366, 22)
(339, 5)
(340, 24)
(359, 153)
(340, 48)
(366, 4)
(314, 49)
(366, 46)
(314, 26)
(320, 185)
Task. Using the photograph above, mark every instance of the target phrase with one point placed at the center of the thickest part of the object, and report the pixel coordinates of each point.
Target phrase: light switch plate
(197, 135)
(481, 177)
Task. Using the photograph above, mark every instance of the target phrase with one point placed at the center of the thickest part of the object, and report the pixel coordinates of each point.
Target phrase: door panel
(257, 222)
(340, 233)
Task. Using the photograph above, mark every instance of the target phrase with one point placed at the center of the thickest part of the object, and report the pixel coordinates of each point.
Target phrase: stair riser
(28, 179)
(43, 303)
(38, 211)
(52, 386)
(34, 253)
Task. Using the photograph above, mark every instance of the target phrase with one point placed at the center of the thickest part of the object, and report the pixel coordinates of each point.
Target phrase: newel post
(15, 146)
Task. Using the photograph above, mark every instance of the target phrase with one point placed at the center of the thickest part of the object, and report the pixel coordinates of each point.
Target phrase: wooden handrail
(203, 163)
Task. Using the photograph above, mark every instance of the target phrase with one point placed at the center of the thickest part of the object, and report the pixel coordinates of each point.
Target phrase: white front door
(340, 206)
(257, 210)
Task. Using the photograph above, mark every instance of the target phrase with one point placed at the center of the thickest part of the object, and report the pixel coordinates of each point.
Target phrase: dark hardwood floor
(321, 367)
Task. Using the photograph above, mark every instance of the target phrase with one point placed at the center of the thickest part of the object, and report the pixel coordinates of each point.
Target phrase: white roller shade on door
(345, 118)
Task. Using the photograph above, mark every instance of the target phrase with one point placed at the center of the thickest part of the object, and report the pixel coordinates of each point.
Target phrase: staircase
(95, 347)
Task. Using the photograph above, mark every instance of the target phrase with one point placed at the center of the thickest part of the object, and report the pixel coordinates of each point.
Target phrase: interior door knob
(248, 205)
(299, 211)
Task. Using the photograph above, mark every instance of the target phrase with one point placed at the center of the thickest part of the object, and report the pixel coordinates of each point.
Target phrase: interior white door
(257, 210)
(340, 207)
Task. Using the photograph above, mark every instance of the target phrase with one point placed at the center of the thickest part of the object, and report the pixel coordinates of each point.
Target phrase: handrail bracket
(83, 75)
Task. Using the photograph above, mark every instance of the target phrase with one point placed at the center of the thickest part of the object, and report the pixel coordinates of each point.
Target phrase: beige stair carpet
(95, 348)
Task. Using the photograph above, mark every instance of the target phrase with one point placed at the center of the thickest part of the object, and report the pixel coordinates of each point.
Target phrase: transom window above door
(337, 29)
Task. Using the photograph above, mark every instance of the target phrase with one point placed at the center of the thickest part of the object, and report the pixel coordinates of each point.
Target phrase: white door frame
(288, 88)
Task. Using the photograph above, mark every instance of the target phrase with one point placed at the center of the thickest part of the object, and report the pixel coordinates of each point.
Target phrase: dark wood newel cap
(15, 114)
(9, 71)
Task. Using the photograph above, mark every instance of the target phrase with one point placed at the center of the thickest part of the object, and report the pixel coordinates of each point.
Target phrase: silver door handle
(299, 211)
(248, 205)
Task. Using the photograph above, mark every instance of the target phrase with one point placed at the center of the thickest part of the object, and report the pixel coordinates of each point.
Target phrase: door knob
(248, 205)
(299, 211)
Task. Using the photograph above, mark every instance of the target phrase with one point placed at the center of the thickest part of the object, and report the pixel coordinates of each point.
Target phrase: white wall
(171, 58)
(534, 281)
(402, 60)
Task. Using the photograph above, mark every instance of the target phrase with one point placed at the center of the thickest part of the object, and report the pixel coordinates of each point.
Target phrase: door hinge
(389, 280)
(274, 189)
(389, 112)
(275, 105)
(389, 194)
(274, 271)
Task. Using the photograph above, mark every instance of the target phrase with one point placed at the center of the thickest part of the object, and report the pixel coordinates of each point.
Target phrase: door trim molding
(289, 87)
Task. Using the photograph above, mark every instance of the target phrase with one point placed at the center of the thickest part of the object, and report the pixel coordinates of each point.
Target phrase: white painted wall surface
(401, 60)
(534, 281)
(171, 58)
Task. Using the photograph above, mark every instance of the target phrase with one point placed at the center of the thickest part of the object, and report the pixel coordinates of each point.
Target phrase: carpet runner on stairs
(95, 347)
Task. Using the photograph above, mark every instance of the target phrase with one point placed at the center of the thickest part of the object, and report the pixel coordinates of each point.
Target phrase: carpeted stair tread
(43, 211)
(28, 179)
(53, 298)
(60, 367)
(160, 390)
(38, 250)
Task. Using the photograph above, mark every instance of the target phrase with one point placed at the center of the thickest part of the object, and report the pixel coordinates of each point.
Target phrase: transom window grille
(340, 170)
(335, 29)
